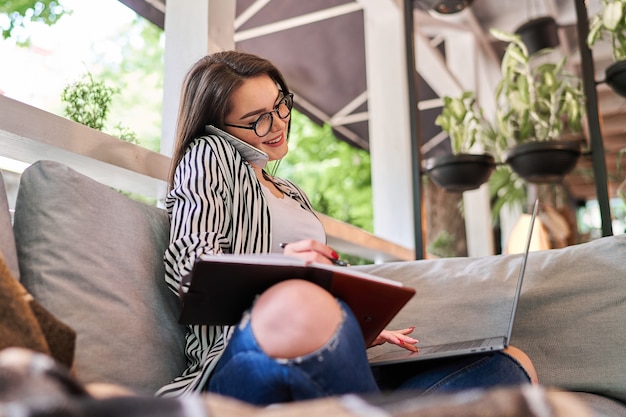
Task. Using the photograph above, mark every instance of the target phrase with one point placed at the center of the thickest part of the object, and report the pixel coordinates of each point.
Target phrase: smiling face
(254, 97)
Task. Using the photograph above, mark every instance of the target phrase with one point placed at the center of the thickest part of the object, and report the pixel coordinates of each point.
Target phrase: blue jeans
(245, 372)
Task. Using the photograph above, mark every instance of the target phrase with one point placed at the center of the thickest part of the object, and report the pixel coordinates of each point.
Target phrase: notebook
(221, 288)
(467, 347)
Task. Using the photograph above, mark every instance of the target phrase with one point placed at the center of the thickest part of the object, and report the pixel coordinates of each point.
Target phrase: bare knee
(524, 360)
(294, 318)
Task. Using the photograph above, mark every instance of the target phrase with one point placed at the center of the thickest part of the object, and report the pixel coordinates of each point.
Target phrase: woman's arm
(199, 210)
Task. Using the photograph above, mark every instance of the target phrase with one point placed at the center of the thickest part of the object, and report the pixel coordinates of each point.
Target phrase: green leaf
(595, 30)
(21, 12)
(612, 15)
(504, 36)
(458, 110)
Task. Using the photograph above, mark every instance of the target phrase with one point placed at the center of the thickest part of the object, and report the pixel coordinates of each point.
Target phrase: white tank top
(290, 222)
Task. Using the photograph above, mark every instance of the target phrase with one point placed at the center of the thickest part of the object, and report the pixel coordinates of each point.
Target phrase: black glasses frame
(287, 99)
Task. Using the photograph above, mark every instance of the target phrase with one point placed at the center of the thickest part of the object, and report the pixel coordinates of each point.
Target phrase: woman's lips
(274, 142)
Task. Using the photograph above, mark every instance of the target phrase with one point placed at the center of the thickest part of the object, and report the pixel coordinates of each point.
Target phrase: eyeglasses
(263, 124)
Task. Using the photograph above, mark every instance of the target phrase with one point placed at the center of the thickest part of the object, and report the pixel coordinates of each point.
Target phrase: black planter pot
(615, 75)
(460, 172)
(539, 33)
(544, 162)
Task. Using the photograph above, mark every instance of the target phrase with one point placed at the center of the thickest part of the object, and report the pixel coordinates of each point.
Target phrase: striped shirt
(216, 205)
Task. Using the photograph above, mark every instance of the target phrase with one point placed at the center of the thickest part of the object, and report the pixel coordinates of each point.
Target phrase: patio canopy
(320, 46)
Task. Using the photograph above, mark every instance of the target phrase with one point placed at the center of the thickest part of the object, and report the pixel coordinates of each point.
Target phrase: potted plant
(538, 102)
(611, 21)
(461, 118)
(539, 33)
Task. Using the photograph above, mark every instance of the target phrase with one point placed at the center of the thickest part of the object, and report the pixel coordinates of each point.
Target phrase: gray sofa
(92, 257)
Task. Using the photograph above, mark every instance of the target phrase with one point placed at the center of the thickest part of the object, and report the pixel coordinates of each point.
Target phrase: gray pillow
(93, 257)
(572, 299)
(7, 240)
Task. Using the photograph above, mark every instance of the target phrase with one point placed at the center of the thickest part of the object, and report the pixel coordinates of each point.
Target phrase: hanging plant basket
(615, 76)
(544, 162)
(539, 33)
(460, 172)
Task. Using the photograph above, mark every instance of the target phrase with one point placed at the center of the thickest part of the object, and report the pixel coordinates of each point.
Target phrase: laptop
(466, 347)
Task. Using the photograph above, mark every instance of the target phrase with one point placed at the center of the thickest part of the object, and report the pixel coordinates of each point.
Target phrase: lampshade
(517, 239)
(443, 6)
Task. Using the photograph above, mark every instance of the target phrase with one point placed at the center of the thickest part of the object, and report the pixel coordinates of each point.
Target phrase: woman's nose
(279, 123)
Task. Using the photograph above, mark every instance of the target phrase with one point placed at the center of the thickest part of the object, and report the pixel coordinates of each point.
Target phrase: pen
(337, 262)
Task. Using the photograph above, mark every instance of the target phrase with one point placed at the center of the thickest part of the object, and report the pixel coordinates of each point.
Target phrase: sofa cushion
(93, 257)
(7, 240)
(572, 298)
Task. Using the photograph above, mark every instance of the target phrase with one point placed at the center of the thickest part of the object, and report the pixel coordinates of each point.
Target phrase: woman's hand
(397, 337)
(311, 251)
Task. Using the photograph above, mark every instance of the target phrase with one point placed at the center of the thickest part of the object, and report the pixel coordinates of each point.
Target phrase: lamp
(517, 239)
(443, 6)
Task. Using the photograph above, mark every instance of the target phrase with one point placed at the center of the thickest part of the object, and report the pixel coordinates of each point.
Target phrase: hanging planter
(615, 76)
(461, 118)
(538, 105)
(611, 21)
(539, 33)
(544, 162)
(460, 172)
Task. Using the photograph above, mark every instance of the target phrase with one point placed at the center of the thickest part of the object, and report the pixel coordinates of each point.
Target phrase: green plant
(88, 101)
(621, 188)
(125, 134)
(462, 119)
(443, 245)
(20, 13)
(506, 188)
(534, 102)
(611, 20)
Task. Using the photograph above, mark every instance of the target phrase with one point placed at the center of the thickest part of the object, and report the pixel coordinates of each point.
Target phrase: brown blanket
(25, 323)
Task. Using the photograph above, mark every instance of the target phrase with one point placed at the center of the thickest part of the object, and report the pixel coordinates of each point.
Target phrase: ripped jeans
(340, 367)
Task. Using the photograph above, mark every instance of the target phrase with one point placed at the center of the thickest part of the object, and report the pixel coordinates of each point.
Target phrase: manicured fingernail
(335, 255)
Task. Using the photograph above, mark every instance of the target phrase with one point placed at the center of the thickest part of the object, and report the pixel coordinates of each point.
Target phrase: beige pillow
(94, 258)
(570, 313)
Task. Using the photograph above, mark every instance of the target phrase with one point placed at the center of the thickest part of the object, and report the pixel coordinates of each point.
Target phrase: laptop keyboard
(468, 344)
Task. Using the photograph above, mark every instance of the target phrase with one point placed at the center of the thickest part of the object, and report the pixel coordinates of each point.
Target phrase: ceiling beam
(298, 21)
(153, 10)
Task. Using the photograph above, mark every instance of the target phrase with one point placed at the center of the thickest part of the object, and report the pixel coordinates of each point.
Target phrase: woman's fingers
(397, 337)
(310, 250)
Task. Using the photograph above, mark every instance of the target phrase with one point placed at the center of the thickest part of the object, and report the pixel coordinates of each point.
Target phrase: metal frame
(595, 131)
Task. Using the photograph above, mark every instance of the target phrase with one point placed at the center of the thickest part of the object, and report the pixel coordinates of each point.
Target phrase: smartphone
(250, 153)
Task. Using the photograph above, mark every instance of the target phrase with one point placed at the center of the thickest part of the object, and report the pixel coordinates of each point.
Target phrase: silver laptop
(467, 347)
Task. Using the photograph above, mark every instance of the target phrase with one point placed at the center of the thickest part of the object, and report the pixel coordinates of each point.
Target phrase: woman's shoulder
(212, 147)
(212, 142)
(209, 156)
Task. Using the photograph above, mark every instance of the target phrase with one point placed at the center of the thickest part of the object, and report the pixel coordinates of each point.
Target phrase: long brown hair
(206, 92)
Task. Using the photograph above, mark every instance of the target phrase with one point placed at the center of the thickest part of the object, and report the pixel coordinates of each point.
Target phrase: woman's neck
(266, 181)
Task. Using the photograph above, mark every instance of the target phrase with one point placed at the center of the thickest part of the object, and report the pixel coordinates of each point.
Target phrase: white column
(389, 135)
(462, 60)
(193, 28)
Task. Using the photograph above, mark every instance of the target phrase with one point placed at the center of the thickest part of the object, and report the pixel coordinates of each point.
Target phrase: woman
(297, 341)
